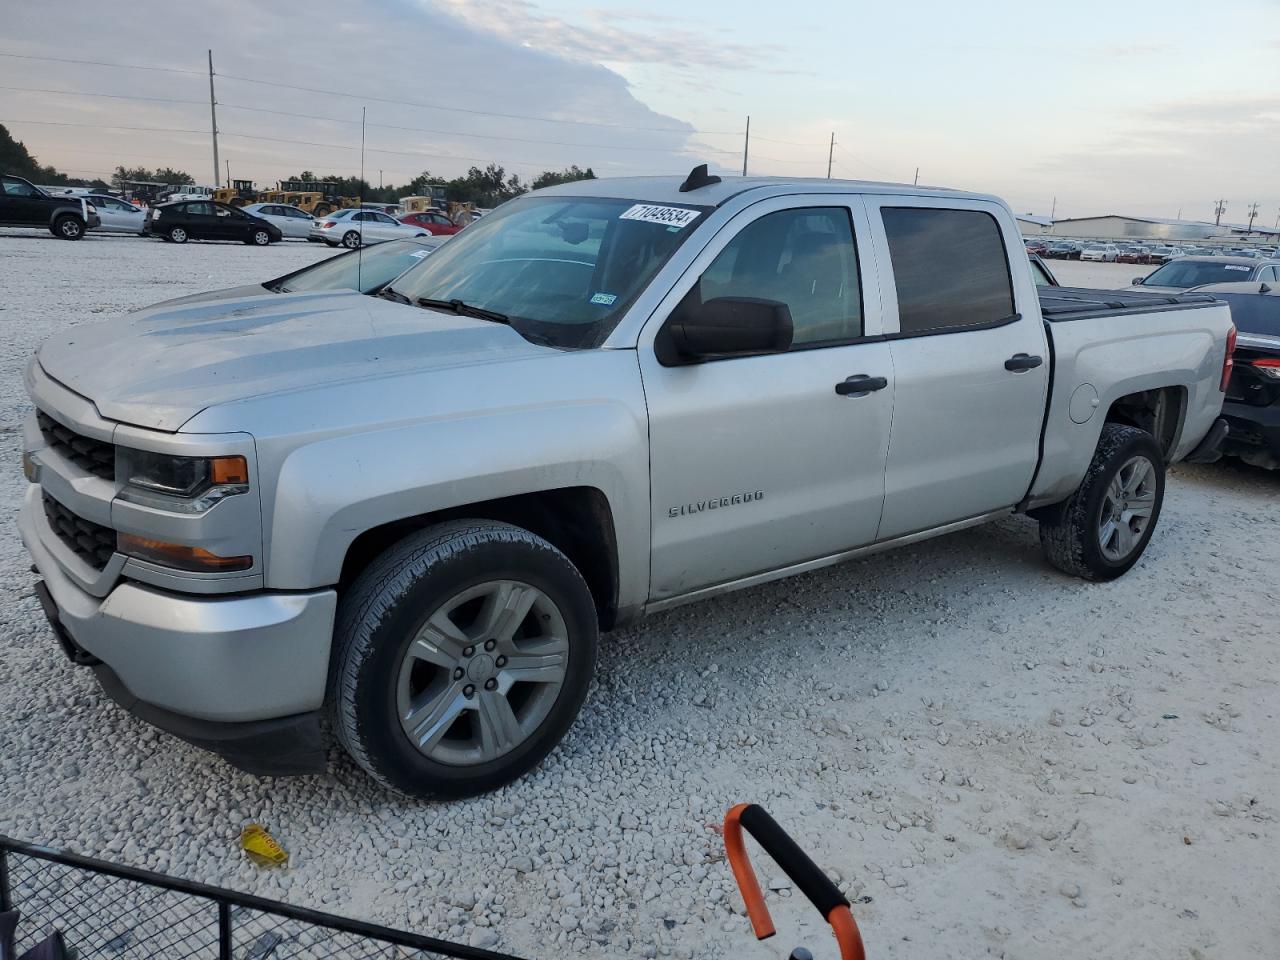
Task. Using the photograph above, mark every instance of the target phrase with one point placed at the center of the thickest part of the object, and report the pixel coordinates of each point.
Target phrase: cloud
(613, 36)
(390, 49)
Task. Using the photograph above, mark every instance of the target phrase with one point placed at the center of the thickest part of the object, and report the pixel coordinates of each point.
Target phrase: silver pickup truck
(415, 512)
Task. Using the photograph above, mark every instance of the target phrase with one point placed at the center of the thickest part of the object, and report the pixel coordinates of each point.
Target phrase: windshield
(363, 270)
(563, 269)
(1193, 273)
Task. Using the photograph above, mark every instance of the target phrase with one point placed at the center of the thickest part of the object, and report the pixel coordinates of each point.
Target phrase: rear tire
(68, 227)
(351, 240)
(177, 234)
(1102, 529)
(462, 656)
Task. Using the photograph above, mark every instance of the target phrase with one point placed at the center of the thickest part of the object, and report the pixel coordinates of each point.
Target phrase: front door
(758, 463)
(972, 371)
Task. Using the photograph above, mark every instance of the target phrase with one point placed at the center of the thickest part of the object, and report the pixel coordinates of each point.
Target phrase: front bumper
(242, 675)
(1255, 433)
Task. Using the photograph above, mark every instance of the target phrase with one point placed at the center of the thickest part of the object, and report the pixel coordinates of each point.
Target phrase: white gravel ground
(995, 759)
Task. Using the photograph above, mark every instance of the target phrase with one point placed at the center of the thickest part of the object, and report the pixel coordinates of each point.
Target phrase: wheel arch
(578, 521)
(1159, 411)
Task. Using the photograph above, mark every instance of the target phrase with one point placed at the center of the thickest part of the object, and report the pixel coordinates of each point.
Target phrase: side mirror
(1137, 281)
(723, 327)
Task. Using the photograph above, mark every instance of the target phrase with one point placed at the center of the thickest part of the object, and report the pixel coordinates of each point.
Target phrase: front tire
(351, 240)
(1101, 530)
(260, 238)
(68, 227)
(463, 655)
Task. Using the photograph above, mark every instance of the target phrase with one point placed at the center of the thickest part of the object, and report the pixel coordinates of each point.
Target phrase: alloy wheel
(482, 673)
(1127, 507)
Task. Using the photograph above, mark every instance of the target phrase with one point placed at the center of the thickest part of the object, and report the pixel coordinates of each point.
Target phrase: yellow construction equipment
(239, 194)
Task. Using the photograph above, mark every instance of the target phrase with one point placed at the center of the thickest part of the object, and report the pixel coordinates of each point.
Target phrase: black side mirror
(1137, 281)
(722, 328)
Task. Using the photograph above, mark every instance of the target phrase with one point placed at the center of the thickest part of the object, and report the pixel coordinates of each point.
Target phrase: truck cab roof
(667, 189)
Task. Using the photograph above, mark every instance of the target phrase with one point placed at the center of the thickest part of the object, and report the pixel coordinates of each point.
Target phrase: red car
(432, 221)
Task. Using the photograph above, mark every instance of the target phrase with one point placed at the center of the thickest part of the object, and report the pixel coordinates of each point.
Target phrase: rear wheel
(1101, 530)
(351, 239)
(463, 655)
(68, 227)
(177, 234)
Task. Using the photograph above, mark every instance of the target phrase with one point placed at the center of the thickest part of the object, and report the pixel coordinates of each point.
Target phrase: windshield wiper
(387, 293)
(463, 309)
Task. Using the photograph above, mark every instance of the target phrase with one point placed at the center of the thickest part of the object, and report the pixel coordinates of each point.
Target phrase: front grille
(91, 542)
(97, 457)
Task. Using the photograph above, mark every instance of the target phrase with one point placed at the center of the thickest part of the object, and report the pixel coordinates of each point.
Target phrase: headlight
(182, 484)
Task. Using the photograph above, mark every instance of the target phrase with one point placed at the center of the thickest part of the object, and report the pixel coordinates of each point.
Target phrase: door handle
(859, 385)
(1022, 361)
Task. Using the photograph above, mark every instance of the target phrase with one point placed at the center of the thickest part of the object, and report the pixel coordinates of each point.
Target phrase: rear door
(969, 358)
(758, 463)
(198, 219)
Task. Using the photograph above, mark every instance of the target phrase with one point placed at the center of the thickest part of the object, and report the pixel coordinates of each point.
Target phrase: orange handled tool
(804, 873)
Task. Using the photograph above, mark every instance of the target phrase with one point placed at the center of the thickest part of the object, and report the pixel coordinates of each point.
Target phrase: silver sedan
(355, 228)
(292, 222)
(118, 216)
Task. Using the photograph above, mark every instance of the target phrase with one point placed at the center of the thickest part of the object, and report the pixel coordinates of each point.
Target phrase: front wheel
(463, 656)
(1101, 530)
(68, 227)
(351, 239)
(260, 238)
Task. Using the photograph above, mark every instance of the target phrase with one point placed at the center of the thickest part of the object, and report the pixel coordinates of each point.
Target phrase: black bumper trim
(1209, 449)
(280, 747)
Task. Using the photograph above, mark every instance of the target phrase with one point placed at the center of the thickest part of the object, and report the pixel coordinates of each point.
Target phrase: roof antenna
(698, 177)
(360, 249)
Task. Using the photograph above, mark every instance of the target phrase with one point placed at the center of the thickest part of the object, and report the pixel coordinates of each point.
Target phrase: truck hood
(160, 367)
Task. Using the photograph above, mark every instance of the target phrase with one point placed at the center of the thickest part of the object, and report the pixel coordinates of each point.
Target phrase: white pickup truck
(416, 511)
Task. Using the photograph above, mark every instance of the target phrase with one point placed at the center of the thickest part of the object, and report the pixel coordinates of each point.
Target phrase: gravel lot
(998, 760)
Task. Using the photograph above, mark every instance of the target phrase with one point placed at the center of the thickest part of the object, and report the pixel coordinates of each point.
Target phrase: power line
(104, 126)
(862, 161)
(101, 63)
(109, 96)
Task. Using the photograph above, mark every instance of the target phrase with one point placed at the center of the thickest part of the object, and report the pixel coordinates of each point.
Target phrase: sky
(1074, 109)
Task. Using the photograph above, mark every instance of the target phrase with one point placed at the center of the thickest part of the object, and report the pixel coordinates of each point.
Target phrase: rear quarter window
(949, 267)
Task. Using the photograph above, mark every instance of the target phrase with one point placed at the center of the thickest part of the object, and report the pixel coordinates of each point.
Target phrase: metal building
(1115, 226)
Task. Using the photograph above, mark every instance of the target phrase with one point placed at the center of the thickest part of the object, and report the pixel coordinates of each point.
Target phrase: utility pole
(1054, 208)
(379, 179)
(1219, 208)
(213, 116)
(1253, 212)
(227, 162)
(916, 181)
(831, 150)
(746, 142)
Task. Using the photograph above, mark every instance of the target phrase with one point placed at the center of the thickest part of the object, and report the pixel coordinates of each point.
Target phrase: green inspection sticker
(606, 299)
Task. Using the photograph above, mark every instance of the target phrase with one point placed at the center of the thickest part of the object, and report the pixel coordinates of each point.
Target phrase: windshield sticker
(677, 217)
(607, 299)
(1235, 266)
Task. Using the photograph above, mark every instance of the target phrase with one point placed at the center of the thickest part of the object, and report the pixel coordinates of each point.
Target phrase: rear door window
(949, 267)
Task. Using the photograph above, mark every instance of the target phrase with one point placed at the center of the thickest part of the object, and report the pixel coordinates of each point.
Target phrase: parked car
(1041, 273)
(1107, 252)
(1038, 247)
(209, 220)
(433, 221)
(413, 513)
(1063, 250)
(365, 271)
(292, 222)
(354, 228)
(1252, 408)
(1132, 254)
(118, 216)
(1160, 254)
(1187, 272)
(23, 204)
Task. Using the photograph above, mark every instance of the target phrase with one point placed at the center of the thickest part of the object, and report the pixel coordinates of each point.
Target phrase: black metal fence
(107, 911)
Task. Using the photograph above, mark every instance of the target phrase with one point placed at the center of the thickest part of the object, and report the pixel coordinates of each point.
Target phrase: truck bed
(1060, 304)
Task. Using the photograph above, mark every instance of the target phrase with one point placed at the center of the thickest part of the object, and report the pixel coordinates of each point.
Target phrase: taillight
(327, 224)
(1268, 367)
(1228, 361)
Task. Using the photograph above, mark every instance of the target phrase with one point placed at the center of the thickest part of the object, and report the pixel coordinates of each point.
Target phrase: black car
(23, 204)
(1252, 406)
(186, 220)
